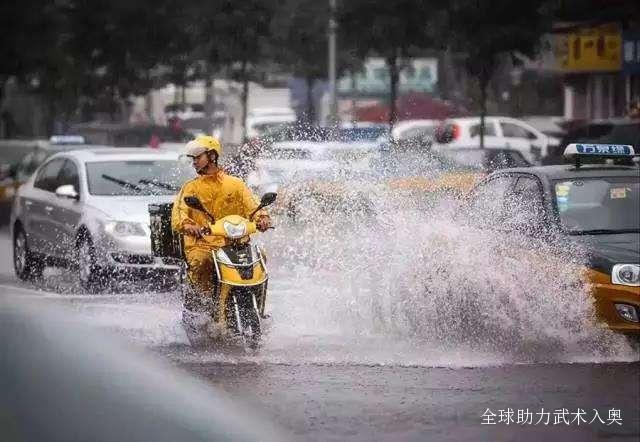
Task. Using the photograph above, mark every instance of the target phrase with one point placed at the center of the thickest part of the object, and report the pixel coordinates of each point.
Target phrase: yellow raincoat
(221, 195)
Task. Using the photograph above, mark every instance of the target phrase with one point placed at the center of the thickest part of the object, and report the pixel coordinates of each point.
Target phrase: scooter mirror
(268, 198)
(193, 202)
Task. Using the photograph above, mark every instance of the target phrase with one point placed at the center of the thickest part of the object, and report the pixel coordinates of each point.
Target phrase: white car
(89, 208)
(414, 129)
(270, 174)
(499, 132)
(352, 153)
(259, 124)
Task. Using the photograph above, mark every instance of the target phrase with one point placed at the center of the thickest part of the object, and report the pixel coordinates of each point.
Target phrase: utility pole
(333, 25)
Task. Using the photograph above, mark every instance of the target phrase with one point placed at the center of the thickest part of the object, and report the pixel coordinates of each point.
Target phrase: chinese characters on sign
(603, 149)
(596, 49)
(560, 416)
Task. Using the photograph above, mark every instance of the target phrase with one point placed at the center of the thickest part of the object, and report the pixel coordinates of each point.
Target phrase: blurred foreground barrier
(62, 381)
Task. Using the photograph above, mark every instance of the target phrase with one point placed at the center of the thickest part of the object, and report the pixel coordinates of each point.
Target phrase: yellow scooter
(241, 272)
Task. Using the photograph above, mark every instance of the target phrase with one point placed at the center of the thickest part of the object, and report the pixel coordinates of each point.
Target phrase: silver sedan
(88, 210)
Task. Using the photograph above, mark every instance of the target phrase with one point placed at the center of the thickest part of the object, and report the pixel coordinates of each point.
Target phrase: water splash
(427, 283)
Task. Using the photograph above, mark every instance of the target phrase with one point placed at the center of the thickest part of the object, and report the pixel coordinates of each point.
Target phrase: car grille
(132, 259)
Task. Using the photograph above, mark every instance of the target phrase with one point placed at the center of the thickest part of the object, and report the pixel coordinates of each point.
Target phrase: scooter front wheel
(245, 319)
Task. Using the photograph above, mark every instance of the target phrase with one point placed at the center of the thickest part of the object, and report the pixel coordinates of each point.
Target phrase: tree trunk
(209, 96)
(113, 104)
(244, 98)
(392, 63)
(176, 93)
(310, 112)
(484, 82)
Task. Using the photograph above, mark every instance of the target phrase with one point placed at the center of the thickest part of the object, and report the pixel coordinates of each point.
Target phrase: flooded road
(369, 339)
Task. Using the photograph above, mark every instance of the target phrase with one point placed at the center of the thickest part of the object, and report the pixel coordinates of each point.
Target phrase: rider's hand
(193, 230)
(263, 223)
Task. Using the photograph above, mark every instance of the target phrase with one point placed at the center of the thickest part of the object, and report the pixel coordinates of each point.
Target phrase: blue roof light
(66, 139)
(576, 151)
(600, 150)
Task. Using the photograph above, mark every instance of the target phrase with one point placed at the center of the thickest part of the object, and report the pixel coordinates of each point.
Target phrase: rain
(446, 237)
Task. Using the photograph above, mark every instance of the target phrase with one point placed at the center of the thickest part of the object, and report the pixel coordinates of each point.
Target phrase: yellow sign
(596, 49)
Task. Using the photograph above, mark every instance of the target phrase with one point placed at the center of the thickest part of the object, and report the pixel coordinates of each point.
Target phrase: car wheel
(88, 273)
(28, 266)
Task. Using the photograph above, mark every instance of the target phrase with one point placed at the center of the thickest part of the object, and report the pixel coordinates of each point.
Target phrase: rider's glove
(263, 223)
(193, 230)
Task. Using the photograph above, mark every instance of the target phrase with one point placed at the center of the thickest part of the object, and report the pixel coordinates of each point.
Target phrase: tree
(238, 37)
(389, 29)
(484, 31)
(300, 42)
(31, 32)
(115, 44)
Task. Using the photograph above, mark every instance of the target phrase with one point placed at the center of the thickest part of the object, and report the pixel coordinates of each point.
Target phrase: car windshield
(148, 177)
(599, 205)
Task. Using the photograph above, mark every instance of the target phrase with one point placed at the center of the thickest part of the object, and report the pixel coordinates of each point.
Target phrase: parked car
(184, 111)
(499, 132)
(88, 209)
(127, 135)
(270, 174)
(259, 125)
(450, 172)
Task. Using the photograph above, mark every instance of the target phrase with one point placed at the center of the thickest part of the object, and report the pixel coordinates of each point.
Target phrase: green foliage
(387, 28)
(102, 51)
(300, 37)
(28, 30)
(595, 11)
(484, 30)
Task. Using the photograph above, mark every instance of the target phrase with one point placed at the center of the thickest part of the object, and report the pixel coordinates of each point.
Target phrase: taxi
(594, 202)
(428, 177)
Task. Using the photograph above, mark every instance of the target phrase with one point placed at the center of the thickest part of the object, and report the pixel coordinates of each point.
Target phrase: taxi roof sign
(67, 139)
(608, 150)
(582, 150)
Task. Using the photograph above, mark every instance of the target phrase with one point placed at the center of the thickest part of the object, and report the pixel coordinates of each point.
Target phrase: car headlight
(235, 230)
(124, 228)
(223, 257)
(626, 274)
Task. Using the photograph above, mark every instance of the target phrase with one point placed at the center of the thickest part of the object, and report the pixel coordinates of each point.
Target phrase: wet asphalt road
(354, 401)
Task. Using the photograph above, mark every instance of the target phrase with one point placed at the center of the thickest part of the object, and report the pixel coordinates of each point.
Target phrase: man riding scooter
(221, 195)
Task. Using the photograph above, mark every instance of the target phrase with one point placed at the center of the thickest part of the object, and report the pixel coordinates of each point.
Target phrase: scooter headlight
(235, 230)
(626, 274)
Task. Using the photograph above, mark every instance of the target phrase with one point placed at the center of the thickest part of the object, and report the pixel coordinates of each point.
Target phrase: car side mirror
(67, 191)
